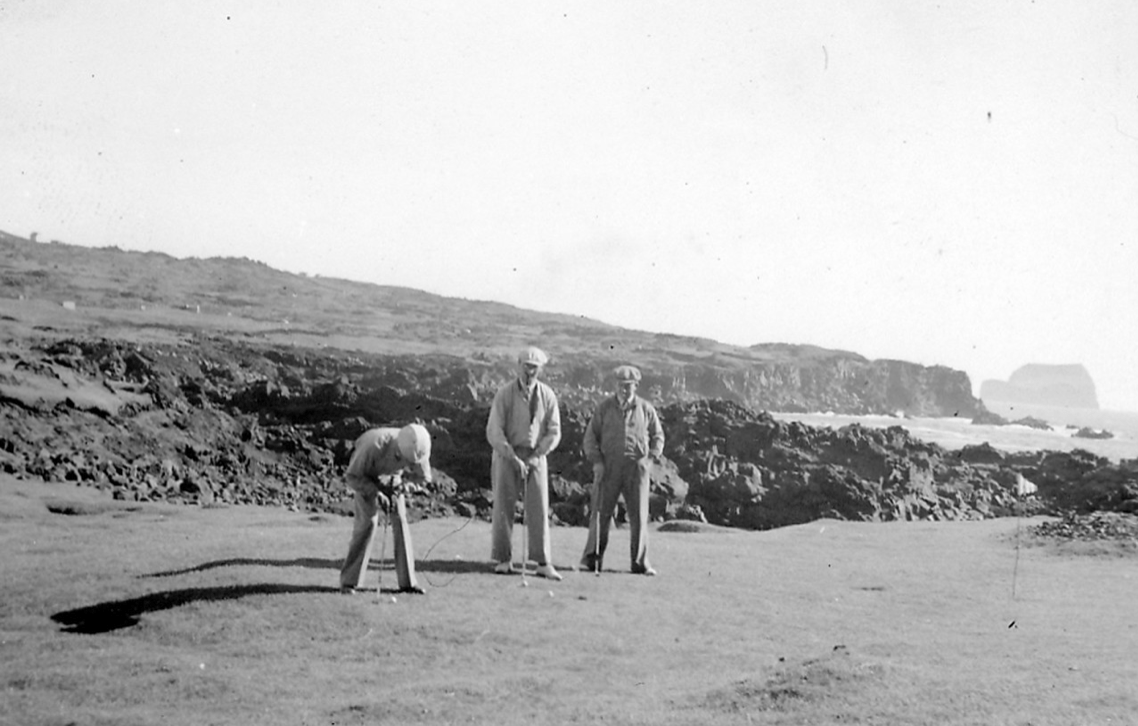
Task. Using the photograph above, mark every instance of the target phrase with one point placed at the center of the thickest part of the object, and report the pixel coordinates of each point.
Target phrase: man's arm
(552, 436)
(496, 426)
(655, 432)
(592, 438)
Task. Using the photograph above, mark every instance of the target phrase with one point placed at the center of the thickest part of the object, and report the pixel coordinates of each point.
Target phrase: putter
(382, 553)
(525, 527)
(597, 527)
(597, 545)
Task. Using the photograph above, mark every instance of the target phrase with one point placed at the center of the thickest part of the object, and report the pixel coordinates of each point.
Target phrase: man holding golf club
(524, 426)
(385, 463)
(623, 437)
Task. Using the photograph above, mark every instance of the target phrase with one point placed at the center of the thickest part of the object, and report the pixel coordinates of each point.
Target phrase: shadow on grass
(452, 566)
(458, 567)
(108, 616)
(309, 562)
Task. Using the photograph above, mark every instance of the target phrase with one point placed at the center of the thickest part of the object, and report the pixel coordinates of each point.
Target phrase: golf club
(597, 525)
(382, 553)
(524, 525)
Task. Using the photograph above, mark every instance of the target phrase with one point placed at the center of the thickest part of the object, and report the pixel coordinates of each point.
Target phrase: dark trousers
(627, 477)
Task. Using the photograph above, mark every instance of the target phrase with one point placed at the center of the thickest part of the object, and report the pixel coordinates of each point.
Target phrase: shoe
(413, 590)
(348, 590)
(590, 564)
(504, 568)
(646, 571)
(547, 571)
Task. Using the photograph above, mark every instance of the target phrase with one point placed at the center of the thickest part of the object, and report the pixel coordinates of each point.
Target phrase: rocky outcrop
(1065, 386)
(220, 422)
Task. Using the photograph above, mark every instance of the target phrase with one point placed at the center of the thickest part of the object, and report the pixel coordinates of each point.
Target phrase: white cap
(533, 355)
(415, 446)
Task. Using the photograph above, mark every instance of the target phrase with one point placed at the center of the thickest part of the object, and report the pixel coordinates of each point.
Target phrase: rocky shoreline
(215, 421)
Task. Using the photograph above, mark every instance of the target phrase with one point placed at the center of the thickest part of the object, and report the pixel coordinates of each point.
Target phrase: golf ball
(393, 599)
(525, 584)
(551, 593)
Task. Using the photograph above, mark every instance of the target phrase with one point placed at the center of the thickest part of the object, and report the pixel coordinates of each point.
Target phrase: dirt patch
(74, 508)
(1096, 526)
(794, 683)
(690, 527)
(1098, 534)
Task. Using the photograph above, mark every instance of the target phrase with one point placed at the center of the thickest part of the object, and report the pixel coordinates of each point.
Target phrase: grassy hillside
(334, 312)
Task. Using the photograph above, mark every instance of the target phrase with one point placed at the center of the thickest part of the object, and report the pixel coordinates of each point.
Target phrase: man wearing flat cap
(524, 426)
(622, 438)
(385, 463)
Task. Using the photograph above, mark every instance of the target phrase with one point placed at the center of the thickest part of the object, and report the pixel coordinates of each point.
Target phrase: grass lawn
(144, 613)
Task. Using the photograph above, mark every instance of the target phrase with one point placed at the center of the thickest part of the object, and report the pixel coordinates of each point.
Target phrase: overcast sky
(950, 183)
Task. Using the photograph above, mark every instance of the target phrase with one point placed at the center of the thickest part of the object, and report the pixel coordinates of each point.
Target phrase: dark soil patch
(1089, 527)
(80, 509)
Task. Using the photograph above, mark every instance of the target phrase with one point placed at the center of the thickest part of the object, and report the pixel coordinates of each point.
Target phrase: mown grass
(161, 614)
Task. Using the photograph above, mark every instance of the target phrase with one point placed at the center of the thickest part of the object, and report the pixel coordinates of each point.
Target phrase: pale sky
(950, 183)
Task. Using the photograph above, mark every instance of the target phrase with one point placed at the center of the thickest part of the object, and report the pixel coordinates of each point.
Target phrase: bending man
(524, 426)
(622, 437)
(380, 462)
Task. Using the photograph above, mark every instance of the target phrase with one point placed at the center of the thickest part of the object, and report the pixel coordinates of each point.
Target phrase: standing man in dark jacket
(622, 438)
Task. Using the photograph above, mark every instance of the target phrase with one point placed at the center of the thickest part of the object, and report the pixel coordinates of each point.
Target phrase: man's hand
(388, 486)
(521, 467)
(413, 486)
(384, 502)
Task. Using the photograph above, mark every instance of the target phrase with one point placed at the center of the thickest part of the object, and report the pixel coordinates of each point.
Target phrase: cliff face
(843, 384)
(1067, 386)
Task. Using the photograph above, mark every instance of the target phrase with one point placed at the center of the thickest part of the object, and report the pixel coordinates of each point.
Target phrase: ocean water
(955, 433)
(1114, 421)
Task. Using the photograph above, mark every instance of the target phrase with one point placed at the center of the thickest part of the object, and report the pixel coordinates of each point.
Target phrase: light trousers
(507, 487)
(365, 522)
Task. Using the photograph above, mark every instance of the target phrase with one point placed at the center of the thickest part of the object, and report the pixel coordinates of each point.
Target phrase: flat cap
(533, 355)
(627, 373)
